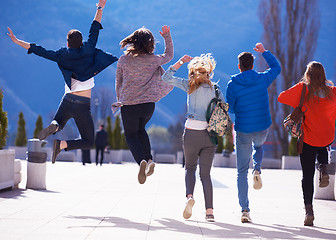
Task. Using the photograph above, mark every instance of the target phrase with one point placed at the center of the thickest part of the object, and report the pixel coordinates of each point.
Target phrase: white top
(195, 124)
(77, 86)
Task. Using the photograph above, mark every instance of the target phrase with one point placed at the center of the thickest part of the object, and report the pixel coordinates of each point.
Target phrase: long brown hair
(317, 82)
(141, 41)
(201, 71)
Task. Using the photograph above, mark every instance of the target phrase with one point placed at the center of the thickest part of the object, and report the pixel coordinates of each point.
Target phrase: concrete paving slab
(93, 202)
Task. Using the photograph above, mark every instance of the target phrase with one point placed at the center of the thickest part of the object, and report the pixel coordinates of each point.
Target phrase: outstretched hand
(165, 29)
(186, 58)
(259, 47)
(11, 35)
(101, 3)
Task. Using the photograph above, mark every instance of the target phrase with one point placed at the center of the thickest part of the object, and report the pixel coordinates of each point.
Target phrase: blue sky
(222, 27)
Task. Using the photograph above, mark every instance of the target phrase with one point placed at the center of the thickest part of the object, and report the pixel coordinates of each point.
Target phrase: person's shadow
(223, 230)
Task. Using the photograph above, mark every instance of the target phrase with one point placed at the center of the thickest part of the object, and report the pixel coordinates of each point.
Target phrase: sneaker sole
(245, 220)
(257, 182)
(47, 131)
(210, 219)
(142, 172)
(53, 159)
(188, 209)
(150, 169)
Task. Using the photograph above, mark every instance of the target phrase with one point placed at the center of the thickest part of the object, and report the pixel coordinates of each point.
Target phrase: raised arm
(99, 13)
(270, 74)
(182, 60)
(33, 48)
(19, 42)
(168, 76)
(169, 48)
(96, 26)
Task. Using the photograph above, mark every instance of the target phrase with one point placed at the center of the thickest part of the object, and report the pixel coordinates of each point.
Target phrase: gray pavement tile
(89, 202)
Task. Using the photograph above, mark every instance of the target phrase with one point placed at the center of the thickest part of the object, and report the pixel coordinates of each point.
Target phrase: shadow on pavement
(250, 230)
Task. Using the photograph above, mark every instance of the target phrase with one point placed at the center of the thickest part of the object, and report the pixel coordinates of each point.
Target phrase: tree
(176, 132)
(117, 134)
(292, 149)
(228, 141)
(101, 104)
(220, 144)
(290, 32)
(109, 132)
(3, 123)
(21, 137)
(38, 126)
(123, 142)
(159, 139)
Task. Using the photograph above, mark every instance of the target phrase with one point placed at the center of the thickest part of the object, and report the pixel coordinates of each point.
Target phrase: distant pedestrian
(101, 144)
(197, 145)
(138, 87)
(86, 158)
(247, 97)
(79, 63)
(318, 128)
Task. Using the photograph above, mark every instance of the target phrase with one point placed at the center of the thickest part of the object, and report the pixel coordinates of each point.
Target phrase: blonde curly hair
(201, 71)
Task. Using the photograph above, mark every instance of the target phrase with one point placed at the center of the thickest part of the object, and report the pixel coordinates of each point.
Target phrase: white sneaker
(150, 168)
(188, 208)
(257, 183)
(245, 218)
(142, 172)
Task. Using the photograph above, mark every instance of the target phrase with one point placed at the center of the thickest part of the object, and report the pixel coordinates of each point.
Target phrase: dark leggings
(307, 159)
(197, 146)
(135, 118)
(78, 108)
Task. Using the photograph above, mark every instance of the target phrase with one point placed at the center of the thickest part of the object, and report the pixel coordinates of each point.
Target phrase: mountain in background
(225, 28)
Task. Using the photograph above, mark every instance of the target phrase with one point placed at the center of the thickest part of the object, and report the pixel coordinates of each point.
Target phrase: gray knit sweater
(138, 79)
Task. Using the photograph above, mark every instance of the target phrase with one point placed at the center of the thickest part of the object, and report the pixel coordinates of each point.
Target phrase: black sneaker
(52, 128)
(56, 150)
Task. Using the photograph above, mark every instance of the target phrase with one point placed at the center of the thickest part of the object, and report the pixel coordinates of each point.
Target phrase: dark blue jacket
(79, 63)
(101, 138)
(247, 96)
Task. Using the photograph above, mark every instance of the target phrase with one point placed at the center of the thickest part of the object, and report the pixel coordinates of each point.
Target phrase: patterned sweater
(138, 79)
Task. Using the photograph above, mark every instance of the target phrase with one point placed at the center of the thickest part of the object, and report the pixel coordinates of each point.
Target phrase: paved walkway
(93, 202)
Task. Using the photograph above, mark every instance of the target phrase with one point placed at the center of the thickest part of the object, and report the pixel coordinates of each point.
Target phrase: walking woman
(318, 128)
(138, 87)
(196, 139)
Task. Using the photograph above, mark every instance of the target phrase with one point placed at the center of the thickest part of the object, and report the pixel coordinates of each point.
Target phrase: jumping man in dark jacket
(79, 63)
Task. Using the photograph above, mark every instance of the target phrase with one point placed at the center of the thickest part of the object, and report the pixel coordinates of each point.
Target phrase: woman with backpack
(196, 139)
(318, 127)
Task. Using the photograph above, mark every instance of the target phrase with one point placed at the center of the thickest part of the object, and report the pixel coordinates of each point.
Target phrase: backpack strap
(303, 93)
(208, 112)
(210, 105)
(216, 91)
(299, 146)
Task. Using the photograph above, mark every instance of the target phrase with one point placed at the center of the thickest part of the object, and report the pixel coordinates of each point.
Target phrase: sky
(221, 27)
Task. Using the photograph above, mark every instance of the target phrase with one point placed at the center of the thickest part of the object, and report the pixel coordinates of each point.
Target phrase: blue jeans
(244, 144)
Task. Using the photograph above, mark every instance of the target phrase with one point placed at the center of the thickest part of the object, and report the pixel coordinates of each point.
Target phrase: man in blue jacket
(79, 63)
(247, 97)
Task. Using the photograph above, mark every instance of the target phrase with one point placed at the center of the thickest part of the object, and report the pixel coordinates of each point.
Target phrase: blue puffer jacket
(247, 96)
